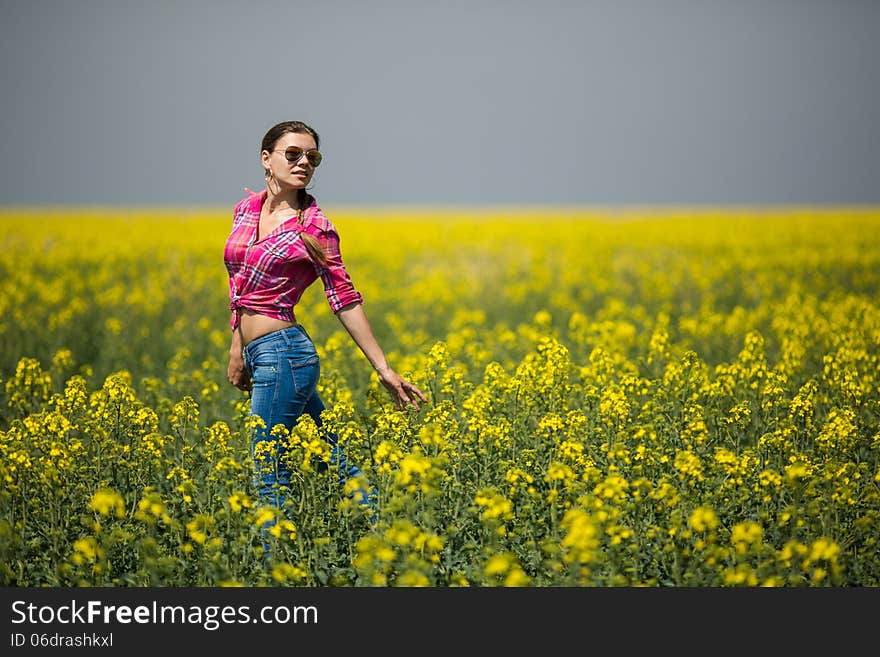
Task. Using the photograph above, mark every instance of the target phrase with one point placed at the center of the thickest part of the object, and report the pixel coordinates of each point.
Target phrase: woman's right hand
(237, 374)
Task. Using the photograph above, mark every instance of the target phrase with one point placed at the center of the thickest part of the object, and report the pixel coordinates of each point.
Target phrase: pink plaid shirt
(269, 275)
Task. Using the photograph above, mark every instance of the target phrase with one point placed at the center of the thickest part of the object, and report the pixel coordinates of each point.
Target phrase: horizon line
(366, 208)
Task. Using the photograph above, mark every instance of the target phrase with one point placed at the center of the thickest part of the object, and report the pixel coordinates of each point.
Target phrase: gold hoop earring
(269, 177)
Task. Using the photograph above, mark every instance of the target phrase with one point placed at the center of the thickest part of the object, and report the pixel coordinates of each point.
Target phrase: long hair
(313, 247)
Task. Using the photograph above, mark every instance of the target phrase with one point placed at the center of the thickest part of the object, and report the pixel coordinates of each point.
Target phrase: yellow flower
(582, 538)
(516, 577)
(286, 572)
(238, 501)
(703, 519)
(495, 505)
(497, 564)
(283, 526)
(87, 549)
(822, 549)
(414, 466)
(741, 575)
(63, 359)
(113, 325)
(106, 501)
(413, 578)
(401, 533)
(614, 407)
(798, 471)
(613, 488)
(744, 535)
(689, 465)
(263, 515)
(385, 553)
(557, 471)
(386, 456)
(197, 528)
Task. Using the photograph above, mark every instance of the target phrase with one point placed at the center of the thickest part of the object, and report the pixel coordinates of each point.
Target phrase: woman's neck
(291, 200)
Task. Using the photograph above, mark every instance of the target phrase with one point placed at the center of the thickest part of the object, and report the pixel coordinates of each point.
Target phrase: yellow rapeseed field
(640, 398)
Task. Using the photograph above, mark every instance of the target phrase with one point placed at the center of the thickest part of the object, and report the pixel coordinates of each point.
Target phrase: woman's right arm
(233, 254)
(237, 374)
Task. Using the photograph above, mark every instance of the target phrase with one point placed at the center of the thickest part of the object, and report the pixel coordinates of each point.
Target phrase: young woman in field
(281, 242)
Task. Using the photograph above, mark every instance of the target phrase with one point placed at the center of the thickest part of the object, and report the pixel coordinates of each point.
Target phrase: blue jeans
(284, 369)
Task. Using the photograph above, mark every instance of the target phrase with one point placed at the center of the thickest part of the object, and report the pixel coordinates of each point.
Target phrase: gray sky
(447, 103)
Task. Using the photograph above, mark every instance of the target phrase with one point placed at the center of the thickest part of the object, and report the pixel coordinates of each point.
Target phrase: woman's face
(291, 174)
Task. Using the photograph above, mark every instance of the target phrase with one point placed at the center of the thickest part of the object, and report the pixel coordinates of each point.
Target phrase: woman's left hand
(402, 391)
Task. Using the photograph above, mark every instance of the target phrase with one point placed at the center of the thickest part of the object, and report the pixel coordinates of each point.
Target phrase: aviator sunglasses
(295, 153)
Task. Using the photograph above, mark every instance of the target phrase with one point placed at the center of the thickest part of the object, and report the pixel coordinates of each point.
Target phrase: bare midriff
(254, 325)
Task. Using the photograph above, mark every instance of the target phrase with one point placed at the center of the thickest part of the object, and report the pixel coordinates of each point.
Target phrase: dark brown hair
(278, 130)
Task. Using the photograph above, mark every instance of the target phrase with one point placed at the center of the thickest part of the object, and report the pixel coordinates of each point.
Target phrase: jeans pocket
(304, 372)
(263, 367)
(263, 375)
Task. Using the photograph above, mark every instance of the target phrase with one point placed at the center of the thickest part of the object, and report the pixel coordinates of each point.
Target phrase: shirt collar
(256, 201)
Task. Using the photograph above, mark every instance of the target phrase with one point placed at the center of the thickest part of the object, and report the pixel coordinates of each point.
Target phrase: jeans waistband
(285, 336)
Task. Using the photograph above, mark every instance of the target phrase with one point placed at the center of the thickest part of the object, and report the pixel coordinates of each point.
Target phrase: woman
(281, 243)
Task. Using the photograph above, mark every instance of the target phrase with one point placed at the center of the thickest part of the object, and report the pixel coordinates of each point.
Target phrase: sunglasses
(295, 153)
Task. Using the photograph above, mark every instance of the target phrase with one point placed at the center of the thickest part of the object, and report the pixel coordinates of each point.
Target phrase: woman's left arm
(355, 321)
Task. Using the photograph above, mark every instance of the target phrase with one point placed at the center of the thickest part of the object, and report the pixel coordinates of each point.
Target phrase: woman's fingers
(418, 392)
(402, 391)
(240, 382)
(406, 400)
(409, 393)
(413, 390)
